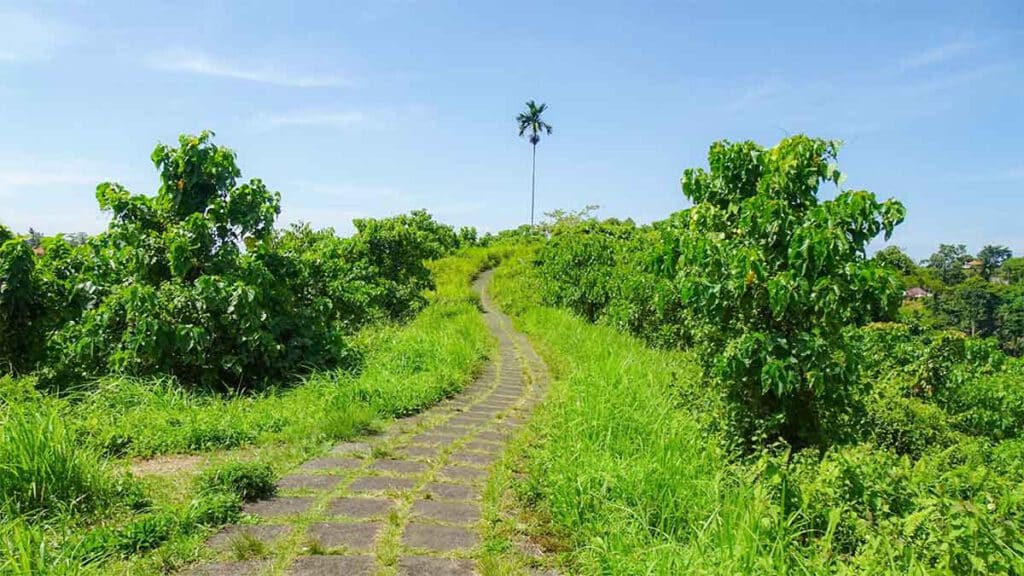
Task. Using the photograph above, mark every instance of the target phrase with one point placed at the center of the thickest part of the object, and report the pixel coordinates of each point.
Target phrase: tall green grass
(43, 470)
(628, 466)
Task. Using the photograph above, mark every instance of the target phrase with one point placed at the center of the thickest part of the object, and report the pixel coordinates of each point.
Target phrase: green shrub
(248, 480)
(774, 278)
(22, 308)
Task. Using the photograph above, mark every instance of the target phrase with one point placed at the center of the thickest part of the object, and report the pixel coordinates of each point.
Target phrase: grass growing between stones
(68, 456)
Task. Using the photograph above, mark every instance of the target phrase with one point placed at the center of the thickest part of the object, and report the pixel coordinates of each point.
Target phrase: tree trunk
(533, 184)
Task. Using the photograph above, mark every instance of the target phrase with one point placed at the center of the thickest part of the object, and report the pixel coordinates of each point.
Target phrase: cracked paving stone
(381, 483)
(399, 466)
(240, 568)
(446, 491)
(428, 566)
(439, 538)
(350, 535)
(450, 512)
(308, 482)
(355, 507)
(332, 463)
(333, 566)
(464, 473)
(267, 534)
(278, 506)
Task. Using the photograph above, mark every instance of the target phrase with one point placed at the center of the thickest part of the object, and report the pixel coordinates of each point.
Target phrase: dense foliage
(863, 438)
(982, 296)
(197, 283)
(775, 277)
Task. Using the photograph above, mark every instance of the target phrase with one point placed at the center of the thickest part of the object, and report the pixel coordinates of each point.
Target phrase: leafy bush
(248, 480)
(21, 307)
(607, 271)
(196, 283)
(774, 277)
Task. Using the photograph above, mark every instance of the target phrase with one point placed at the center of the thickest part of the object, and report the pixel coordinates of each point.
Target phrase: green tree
(532, 126)
(776, 277)
(894, 257)
(1010, 321)
(948, 262)
(1012, 271)
(992, 257)
(972, 306)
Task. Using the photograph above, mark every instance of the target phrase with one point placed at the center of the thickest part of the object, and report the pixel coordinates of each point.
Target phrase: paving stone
(451, 512)
(428, 566)
(381, 483)
(350, 535)
(355, 507)
(267, 534)
(278, 506)
(492, 435)
(331, 463)
(476, 459)
(361, 448)
(240, 568)
(421, 451)
(333, 566)
(495, 406)
(438, 538)
(435, 439)
(481, 446)
(469, 420)
(464, 473)
(447, 491)
(316, 482)
(399, 466)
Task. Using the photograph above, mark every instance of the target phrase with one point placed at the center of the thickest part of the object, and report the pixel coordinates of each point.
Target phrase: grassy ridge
(628, 466)
(406, 368)
(628, 470)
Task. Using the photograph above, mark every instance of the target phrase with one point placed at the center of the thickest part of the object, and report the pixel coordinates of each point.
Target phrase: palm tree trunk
(533, 184)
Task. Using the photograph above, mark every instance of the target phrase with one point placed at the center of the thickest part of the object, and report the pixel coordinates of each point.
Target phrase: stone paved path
(407, 502)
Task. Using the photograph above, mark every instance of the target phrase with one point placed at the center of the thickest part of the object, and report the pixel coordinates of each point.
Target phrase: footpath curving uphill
(406, 502)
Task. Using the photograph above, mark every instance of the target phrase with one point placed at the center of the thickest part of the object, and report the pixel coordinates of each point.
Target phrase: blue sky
(368, 108)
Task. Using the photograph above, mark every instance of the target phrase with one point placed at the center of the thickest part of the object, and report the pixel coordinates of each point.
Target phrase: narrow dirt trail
(405, 502)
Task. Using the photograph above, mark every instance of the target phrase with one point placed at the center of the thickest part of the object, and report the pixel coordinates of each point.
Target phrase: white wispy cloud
(312, 118)
(25, 36)
(376, 118)
(14, 180)
(936, 55)
(264, 73)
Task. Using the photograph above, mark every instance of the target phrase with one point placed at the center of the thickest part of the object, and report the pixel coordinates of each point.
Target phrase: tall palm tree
(531, 124)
